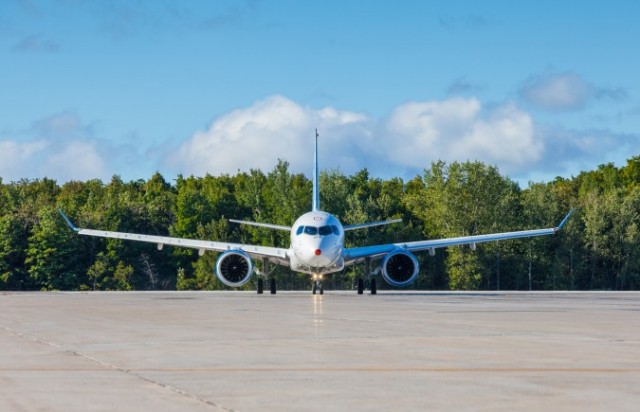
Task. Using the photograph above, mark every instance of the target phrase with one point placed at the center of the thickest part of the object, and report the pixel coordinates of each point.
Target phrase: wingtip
(68, 221)
(564, 221)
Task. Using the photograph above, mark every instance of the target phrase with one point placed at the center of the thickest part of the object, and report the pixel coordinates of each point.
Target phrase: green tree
(13, 245)
(52, 254)
(465, 199)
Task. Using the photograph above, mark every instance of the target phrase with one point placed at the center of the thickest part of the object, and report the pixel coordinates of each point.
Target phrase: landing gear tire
(313, 289)
(260, 286)
(360, 286)
(374, 286)
(272, 286)
(321, 290)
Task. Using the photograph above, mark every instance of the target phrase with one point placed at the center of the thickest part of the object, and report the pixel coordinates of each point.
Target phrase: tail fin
(316, 178)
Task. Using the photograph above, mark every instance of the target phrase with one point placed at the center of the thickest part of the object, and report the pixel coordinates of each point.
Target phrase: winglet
(69, 223)
(564, 221)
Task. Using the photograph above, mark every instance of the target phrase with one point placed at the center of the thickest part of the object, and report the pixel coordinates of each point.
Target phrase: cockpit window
(311, 230)
(322, 231)
(325, 230)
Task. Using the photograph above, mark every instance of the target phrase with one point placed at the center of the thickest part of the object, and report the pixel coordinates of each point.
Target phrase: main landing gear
(373, 286)
(272, 286)
(266, 272)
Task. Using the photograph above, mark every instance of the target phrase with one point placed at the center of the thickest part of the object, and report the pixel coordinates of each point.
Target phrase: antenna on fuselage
(316, 177)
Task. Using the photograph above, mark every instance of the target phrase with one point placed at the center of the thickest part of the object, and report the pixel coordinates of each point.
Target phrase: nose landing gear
(317, 285)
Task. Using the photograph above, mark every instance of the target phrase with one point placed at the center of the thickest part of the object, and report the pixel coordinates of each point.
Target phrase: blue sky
(89, 89)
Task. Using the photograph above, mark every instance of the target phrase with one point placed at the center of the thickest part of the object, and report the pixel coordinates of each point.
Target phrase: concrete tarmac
(221, 351)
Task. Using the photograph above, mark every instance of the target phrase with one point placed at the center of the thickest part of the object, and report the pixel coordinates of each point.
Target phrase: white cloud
(14, 156)
(72, 160)
(59, 147)
(61, 124)
(271, 129)
(566, 91)
(459, 129)
(64, 147)
(76, 160)
(570, 152)
(414, 135)
(557, 91)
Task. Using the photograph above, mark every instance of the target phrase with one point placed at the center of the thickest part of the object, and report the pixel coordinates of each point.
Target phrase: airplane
(317, 248)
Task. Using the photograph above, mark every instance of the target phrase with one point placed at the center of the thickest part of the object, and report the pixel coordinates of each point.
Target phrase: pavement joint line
(136, 371)
(161, 351)
(30, 337)
(137, 374)
(108, 366)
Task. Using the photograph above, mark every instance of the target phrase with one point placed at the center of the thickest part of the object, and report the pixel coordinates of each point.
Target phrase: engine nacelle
(234, 268)
(400, 268)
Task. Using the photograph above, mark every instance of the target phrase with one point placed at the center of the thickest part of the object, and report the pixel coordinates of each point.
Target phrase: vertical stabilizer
(316, 178)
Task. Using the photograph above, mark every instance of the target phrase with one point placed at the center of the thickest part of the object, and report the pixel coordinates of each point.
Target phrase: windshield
(322, 231)
(311, 230)
(325, 230)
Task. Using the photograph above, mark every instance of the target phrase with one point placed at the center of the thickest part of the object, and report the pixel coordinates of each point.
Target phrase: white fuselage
(317, 244)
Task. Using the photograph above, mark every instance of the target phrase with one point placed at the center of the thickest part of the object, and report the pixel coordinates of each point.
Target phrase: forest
(599, 248)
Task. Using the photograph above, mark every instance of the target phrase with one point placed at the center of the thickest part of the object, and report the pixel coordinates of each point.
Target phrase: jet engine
(234, 268)
(400, 268)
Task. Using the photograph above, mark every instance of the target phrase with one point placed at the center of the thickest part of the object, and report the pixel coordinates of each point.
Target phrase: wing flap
(189, 243)
(277, 254)
(379, 250)
(354, 255)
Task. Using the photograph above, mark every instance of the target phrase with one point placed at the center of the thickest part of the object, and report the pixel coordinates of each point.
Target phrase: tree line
(598, 249)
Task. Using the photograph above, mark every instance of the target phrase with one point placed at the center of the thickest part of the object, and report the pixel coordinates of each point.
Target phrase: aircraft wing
(277, 255)
(355, 255)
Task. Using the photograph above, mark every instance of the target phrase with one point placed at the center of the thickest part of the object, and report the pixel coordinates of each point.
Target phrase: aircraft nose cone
(318, 252)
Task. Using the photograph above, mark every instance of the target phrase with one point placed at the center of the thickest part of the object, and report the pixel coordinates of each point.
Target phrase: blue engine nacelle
(234, 268)
(400, 268)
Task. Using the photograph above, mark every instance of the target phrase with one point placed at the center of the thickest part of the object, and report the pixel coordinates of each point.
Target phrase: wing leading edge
(275, 254)
(354, 255)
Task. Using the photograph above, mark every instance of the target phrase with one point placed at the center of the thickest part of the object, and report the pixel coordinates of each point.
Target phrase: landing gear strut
(317, 284)
(266, 271)
(317, 287)
(373, 286)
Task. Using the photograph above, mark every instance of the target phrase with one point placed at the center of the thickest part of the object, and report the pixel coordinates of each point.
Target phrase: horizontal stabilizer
(371, 224)
(266, 225)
